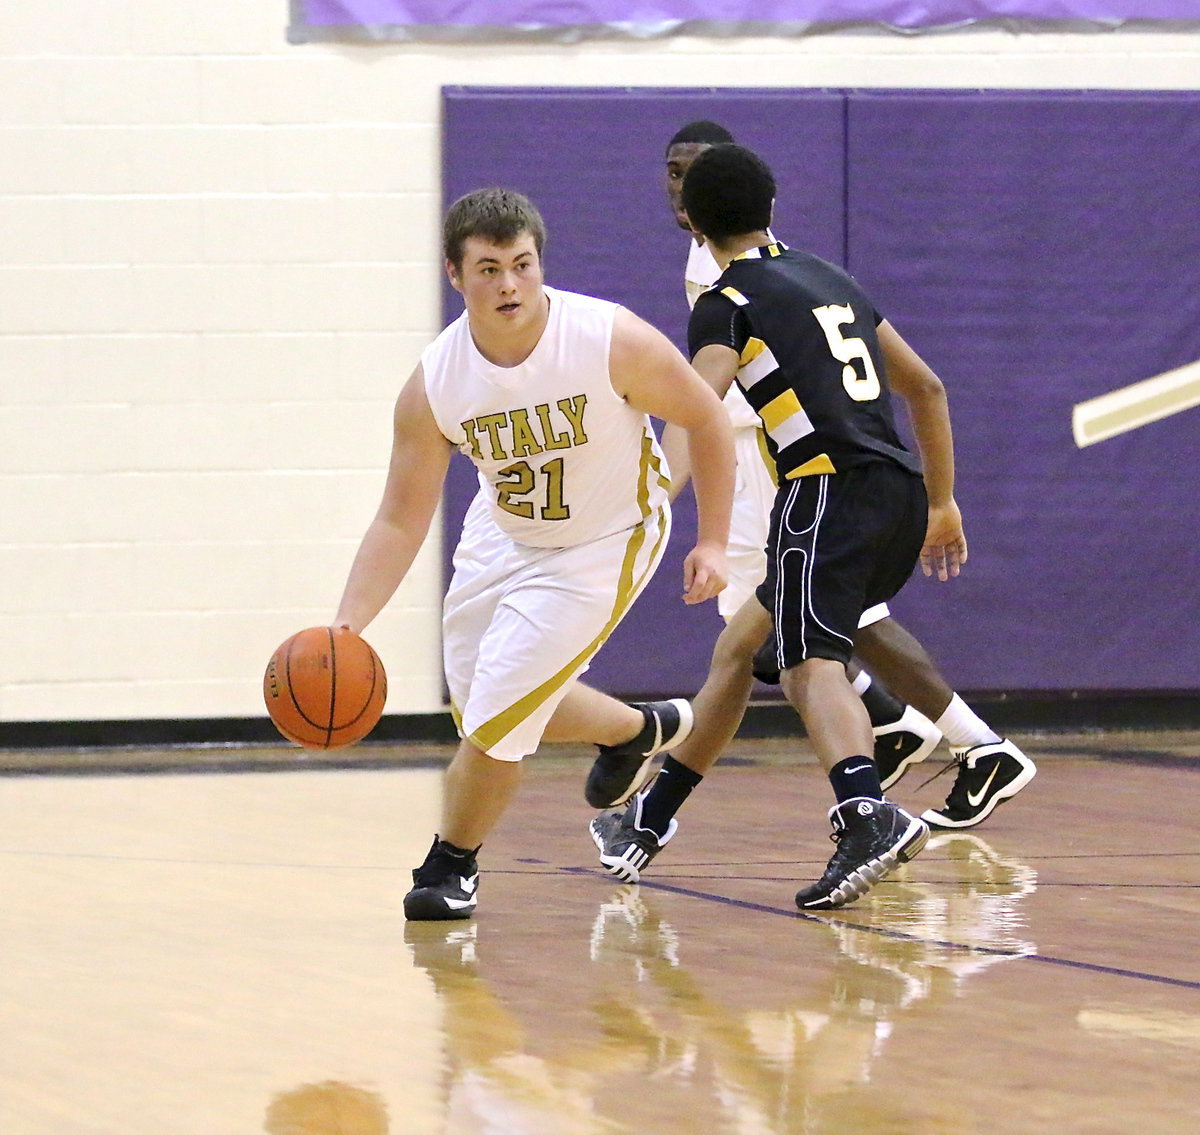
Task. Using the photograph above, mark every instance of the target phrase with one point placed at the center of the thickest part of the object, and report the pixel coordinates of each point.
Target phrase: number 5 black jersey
(808, 360)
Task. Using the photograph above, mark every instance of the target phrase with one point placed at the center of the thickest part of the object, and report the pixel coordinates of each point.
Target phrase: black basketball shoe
(903, 743)
(987, 775)
(445, 886)
(626, 848)
(620, 770)
(873, 837)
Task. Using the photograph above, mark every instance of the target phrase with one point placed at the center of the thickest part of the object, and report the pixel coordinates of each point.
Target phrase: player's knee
(742, 637)
(812, 672)
(484, 750)
(736, 650)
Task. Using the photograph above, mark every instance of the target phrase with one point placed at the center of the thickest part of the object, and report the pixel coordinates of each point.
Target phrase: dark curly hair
(728, 192)
(702, 132)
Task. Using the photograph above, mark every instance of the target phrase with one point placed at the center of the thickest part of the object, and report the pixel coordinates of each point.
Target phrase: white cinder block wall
(218, 261)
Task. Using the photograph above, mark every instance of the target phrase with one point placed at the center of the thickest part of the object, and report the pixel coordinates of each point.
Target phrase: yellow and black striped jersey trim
(798, 375)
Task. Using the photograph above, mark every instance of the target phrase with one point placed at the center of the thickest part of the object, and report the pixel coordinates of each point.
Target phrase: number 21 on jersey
(861, 387)
(522, 482)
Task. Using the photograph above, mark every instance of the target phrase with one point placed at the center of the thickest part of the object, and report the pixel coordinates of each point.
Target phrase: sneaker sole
(421, 906)
(639, 778)
(862, 879)
(946, 823)
(686, 721)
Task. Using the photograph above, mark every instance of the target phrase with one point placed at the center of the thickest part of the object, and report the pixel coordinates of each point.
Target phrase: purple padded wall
(592, 161)
(1037, 248)
(1040, 249)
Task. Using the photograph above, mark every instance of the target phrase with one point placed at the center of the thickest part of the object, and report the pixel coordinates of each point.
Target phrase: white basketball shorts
(753, 495)
(519, 623)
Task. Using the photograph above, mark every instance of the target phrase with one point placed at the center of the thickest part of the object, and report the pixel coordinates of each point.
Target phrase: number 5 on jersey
(864, 387)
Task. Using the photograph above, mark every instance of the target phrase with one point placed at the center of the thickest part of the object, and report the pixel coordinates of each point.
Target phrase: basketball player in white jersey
(547, 392)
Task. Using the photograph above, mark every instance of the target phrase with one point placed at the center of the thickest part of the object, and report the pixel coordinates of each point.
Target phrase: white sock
(862, 683)
(962, 726)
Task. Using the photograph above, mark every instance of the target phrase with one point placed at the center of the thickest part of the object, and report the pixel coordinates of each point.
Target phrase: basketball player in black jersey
(990, 769)
(855, 512)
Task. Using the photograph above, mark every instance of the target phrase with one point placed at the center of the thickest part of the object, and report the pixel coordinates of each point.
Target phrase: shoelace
(953, 762)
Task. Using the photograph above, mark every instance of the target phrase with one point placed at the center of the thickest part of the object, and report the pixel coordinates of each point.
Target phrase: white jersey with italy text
(562, 458)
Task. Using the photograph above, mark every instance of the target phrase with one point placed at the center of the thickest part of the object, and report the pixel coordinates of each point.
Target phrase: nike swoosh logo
(976, 798)
(857, 768)
(461, 904)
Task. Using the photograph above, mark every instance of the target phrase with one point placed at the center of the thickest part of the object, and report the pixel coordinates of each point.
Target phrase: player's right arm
(717, 366)
(711, 337)
(945, 548)
(416, 472)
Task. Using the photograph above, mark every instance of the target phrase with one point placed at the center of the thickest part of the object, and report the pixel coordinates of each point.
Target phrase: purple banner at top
(313, 19)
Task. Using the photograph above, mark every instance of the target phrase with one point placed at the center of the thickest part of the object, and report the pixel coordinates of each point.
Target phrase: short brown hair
(499, 216)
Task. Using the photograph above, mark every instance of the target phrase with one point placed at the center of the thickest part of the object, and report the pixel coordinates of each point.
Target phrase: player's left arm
(945, 548)
(652, 376)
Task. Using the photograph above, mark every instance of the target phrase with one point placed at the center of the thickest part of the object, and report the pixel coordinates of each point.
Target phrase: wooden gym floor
(223, 953)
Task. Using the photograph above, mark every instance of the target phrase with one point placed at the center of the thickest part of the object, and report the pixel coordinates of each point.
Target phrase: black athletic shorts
(839, 543)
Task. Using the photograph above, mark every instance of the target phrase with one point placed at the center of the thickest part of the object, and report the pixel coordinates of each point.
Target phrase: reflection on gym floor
(328, 1108)
(790, 1068)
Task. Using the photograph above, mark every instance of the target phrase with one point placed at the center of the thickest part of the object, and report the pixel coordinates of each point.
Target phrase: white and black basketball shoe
(873, 838)
(903, 743)
(626, 848)
(987, 776)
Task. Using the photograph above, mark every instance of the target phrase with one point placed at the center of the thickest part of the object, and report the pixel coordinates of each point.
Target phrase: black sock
(443, 856)
(666, 795)
(882, 707)
(447, 848)
(855, 776)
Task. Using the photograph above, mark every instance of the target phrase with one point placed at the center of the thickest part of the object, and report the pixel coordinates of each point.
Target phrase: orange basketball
(325, 688)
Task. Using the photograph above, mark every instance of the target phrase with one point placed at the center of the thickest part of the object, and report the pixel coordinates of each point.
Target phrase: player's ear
(453, 276)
